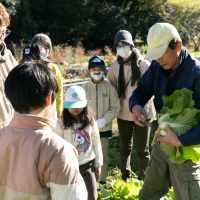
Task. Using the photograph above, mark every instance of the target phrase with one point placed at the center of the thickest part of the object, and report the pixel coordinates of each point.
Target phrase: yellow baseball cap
(158, 39)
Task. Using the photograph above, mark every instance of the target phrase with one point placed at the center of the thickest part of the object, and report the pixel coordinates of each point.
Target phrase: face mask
(97, 75)
(124, 52)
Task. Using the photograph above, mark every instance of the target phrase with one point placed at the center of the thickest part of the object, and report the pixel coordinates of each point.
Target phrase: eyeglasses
(5, 33)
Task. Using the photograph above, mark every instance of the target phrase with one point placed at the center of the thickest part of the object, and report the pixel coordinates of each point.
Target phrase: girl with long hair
(78, 127)
(124, 75)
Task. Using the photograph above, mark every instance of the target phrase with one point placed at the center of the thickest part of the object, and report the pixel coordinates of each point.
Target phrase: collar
(172, 70)
(183, 56)
(97, 83)
(31, 121)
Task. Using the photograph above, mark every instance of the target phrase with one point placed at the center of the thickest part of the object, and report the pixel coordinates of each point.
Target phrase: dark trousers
(141, 135)
(88, 173)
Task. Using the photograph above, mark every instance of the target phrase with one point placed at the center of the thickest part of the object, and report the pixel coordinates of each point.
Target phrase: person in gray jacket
(103, 99)
(124, 75)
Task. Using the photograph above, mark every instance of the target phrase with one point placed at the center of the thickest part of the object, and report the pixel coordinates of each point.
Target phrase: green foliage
(93, 22)
(114, 153)
(108, 20)
(196, 54)
(23, 21)
(169, 195)
(117, 189)
(141, 15)
(185, 16)
(11, 5)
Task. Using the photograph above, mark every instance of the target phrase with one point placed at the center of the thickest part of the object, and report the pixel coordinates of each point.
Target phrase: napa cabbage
(179, 113)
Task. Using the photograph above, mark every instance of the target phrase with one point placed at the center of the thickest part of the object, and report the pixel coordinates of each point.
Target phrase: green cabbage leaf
(179, 113)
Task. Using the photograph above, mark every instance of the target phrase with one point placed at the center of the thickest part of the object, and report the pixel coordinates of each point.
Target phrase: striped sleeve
(76, 191)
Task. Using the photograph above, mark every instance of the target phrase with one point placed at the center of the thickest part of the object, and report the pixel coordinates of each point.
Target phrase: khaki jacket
(36, 163)
(113, 73)
(6, 110)
(104, 100)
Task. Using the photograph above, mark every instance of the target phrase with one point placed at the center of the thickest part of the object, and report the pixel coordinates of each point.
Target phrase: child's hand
(97, 172)
(101, 122)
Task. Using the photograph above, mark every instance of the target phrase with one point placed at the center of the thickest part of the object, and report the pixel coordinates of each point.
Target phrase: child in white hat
(80, 129)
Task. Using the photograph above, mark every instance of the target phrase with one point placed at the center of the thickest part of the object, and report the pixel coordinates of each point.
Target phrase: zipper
(96, 101)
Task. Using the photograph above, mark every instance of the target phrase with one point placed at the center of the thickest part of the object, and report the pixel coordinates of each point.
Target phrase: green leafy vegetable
(117, 189)
(179, 113)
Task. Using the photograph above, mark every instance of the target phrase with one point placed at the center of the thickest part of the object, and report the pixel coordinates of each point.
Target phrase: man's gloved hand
(101, 122)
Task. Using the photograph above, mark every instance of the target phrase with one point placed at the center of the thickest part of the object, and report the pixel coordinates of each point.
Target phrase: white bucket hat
(75, 97)
(158, 39)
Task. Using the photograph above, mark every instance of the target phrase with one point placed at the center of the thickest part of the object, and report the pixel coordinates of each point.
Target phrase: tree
(10, 5)
(93, 22)
(187, 19)
(108, 20)
(142, 14)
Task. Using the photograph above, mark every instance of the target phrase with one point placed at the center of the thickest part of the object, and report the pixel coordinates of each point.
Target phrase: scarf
(135, 71)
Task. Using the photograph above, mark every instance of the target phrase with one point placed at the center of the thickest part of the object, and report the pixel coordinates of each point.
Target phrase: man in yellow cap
(172, 68)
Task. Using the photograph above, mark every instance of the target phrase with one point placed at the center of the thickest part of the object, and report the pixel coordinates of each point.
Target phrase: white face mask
(96, 75)
(124, 52)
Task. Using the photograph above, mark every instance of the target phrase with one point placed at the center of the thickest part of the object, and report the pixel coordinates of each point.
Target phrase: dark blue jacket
(158, 82)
